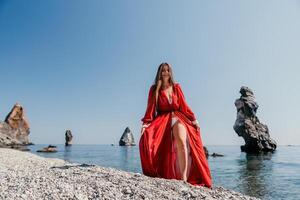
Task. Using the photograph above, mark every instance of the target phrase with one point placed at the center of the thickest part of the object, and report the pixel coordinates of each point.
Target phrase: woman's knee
(180, 135)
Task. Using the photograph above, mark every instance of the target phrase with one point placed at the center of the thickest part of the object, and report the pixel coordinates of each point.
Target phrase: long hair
(158, 77)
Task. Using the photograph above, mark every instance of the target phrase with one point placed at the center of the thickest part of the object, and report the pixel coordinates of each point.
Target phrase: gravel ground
(27, 176)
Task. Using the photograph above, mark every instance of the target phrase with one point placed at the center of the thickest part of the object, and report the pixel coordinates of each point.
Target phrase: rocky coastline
(15, 129)
(24, 175)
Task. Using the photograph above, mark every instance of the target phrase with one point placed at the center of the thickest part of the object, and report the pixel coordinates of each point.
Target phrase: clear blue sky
(87, 65)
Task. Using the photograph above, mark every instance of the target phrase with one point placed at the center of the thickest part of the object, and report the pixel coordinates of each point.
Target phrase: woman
(170, 145)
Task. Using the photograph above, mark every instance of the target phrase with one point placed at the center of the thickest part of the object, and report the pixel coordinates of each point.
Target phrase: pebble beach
(24, 175)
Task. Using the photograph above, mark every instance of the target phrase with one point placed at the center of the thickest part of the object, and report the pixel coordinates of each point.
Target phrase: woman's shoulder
(177, 85)
(152, 88)
(177, 88)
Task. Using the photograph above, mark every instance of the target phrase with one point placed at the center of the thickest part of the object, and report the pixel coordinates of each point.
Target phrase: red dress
(157, 146)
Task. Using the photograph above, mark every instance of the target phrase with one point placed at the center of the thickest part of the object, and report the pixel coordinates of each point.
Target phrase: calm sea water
(267, 176)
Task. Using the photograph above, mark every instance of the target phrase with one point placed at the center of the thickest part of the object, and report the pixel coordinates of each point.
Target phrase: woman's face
(165, 72)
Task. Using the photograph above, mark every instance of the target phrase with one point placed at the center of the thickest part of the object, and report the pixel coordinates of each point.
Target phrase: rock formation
(49, 149)
(127, 138)
(68, 137)
(14, 131)
(5, 140)
(18, 126)
(248, 126)
(8, 142)
(217, 155)
(213, 154)
(206, 151)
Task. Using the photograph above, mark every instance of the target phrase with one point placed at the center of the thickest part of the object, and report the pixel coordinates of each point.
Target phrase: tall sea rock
(68, 138)
(247, 125)
(127, 138)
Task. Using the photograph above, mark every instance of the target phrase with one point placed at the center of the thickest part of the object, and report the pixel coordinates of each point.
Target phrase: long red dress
(157, 146)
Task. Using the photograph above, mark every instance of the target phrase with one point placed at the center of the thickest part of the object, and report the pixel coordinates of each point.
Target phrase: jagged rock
(18, 126)
(213, 154)
(216, 155)
(8, 142)
(206, 151)
(248, 126)
(49, 149)
(127, 138)
(68, 137)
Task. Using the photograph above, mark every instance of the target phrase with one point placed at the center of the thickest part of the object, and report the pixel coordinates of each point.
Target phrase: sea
(271, 176)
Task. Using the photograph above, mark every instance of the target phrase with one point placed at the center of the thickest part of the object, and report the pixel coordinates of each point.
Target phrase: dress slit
(176, 168)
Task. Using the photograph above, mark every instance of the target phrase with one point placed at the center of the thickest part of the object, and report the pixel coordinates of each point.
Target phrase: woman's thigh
(179, 132)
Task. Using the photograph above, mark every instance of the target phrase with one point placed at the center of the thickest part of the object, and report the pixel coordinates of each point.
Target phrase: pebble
(24, 175)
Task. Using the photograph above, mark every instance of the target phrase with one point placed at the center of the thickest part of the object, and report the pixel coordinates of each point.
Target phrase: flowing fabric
(157, 147)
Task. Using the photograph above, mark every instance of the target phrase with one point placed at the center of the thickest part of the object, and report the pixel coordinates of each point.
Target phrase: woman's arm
(184, 108)
(150, 111)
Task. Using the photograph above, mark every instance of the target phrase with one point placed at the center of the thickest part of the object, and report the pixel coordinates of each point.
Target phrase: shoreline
(24, 175)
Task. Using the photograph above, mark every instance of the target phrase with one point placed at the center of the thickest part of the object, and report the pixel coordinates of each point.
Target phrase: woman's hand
(143, 130)
(196, 124)
(197, 127)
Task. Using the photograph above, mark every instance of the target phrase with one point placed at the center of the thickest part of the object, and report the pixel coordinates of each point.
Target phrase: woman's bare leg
(179, 133)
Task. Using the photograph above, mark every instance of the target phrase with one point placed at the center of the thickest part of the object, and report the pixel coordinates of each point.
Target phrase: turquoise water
(267, 176)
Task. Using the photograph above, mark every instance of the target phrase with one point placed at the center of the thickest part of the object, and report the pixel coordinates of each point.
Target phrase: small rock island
(248, 126)
(68, 138)
(127, 138)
